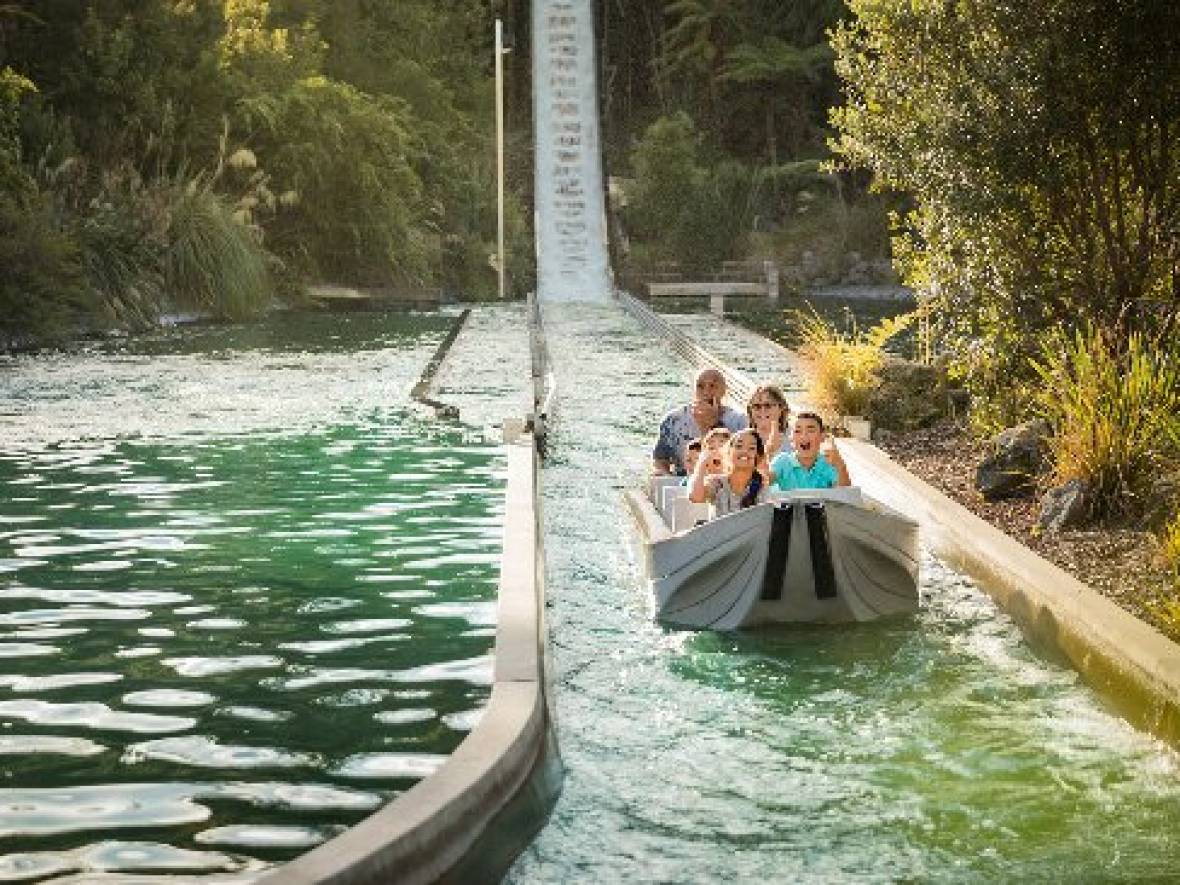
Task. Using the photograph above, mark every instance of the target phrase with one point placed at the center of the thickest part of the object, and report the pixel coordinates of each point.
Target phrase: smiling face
(767, 405)
(744, 450)
(806, 436)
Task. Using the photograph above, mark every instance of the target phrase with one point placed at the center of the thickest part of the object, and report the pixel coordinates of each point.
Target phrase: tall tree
(1042, 144)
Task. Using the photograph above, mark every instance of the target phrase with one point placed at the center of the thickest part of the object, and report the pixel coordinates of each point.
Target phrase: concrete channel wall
(469, 820)
(1132, 666)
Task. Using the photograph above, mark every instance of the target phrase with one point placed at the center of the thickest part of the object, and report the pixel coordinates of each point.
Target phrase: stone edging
(442, 825)
(1132, 665)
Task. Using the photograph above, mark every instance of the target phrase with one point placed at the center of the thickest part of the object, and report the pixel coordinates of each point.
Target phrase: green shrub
(697, 214)
(779, 188)
(121, 234)
(1115, 413)
(357, 211)
(213, 261)
(713, 228)
(42, 284)
(665, 168)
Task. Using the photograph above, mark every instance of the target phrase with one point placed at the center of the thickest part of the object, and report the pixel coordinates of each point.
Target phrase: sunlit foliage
(1040, 141)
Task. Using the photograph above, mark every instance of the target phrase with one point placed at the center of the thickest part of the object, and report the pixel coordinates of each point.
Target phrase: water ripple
(73, 613)
(92, 715)
(202, 667)
(206, 752)
(390, 765)
(168, 697)
(114, 807)
(106, 858)
(26, 650)
(366, 625)
(178, 519)
(34, 744)
(264, 836)
(57, 681)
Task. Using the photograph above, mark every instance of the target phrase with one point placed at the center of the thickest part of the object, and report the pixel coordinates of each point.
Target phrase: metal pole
(500, 155)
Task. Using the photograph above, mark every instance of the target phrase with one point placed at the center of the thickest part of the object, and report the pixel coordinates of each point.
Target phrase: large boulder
(1018, 454)
(1065, 506)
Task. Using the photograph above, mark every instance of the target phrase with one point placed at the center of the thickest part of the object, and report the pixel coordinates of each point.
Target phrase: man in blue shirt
(807, 467)
(694, 420)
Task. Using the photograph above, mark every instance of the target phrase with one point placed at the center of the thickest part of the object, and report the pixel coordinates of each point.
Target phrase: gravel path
(1119, 563)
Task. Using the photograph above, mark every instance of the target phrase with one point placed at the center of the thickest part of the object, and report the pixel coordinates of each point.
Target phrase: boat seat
(658, 482)
(842, 494)
(686, 514)
(668, 495)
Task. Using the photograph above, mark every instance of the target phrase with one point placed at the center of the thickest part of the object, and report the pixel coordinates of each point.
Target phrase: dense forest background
(161, 155)
(215, 155)
(1018, 167)
(717, 121)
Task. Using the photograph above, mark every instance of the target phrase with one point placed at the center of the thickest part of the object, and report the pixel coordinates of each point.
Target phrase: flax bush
(1115, 412)
(213, 261)
(845, 367)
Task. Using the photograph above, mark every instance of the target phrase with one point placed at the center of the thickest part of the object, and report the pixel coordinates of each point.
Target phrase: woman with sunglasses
(769, 414)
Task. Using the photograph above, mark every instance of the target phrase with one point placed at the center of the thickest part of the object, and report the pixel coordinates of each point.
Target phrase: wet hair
(813, 416)
(775, 393)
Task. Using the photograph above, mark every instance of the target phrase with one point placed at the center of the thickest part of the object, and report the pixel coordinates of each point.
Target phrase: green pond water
(247, 593)
(938, 748)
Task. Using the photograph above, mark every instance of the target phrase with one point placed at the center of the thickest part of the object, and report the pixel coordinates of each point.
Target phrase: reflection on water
(934, 748)
(238, 585)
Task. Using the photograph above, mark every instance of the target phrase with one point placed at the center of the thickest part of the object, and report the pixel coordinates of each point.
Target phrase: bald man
(693, 421)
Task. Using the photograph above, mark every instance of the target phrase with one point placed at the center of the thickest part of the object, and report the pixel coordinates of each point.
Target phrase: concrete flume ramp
(572, 262)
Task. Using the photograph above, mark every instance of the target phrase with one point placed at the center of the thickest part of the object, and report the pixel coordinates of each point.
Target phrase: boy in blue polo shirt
(807, 467)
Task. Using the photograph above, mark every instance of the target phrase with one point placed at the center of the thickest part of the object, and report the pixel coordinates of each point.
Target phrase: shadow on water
(288, 332)
(845, 312)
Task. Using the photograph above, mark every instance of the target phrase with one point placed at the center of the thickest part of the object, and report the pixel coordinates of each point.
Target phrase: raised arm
(833, 456)
(698, 492)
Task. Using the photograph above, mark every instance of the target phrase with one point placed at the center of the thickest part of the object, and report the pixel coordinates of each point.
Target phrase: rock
(1066, 506)
(909, 395)
(858, 273)
(1018, 455)
(1161, 502)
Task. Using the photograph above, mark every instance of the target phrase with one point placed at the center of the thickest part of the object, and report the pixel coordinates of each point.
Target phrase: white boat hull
(805, 559)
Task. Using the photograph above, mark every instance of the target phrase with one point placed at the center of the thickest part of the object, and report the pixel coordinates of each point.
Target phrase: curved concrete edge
(421, 390)
(1132, 666)
(438, 826)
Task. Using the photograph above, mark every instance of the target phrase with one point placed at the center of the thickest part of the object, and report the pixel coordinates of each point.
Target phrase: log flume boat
(822, 555)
